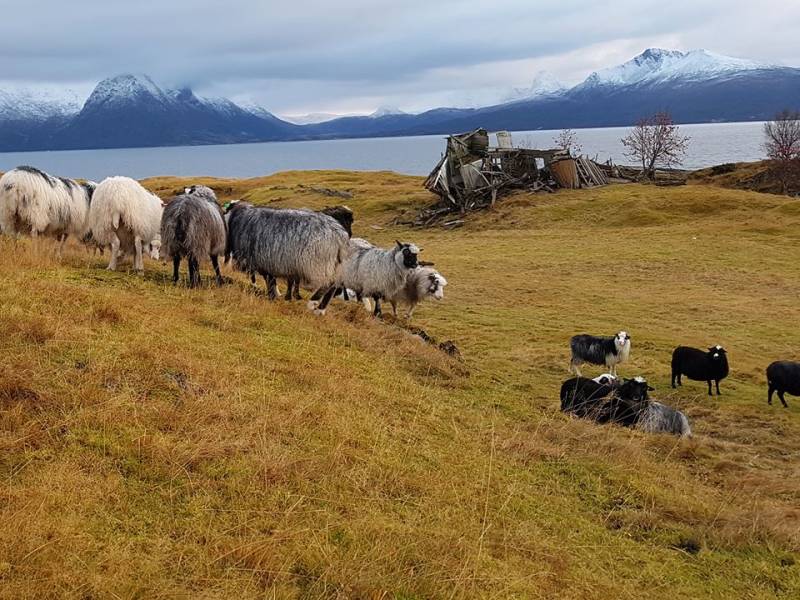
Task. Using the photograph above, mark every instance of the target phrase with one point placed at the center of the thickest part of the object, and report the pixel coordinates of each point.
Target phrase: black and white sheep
(605, 351)
(126, 217)
(34, 202)
(193, 226)
(294, 244)
(423, 283)
(378, 273)
(783, 376)
(700, 365)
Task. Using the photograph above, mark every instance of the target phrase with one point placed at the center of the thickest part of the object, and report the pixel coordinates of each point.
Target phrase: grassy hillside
(157, 441)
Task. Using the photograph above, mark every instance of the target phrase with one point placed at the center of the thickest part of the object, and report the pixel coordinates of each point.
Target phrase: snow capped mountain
(125, 89)
(37, 104)
(544, 84)
(311, 118)
(385, 111)
(656, 65)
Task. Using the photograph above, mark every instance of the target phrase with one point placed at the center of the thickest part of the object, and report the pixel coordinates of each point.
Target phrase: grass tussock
(157, 441)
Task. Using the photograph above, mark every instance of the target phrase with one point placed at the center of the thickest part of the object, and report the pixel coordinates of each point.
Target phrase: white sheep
(422, 283)
(377, 273)
(126, 217)
(31, 201)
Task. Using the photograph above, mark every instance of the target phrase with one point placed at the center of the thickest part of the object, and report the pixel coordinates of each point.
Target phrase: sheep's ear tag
(227, 205)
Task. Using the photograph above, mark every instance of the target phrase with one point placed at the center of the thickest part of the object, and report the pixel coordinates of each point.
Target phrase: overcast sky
(352, 56)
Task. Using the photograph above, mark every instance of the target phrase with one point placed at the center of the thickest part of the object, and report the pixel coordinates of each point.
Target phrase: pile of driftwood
(472, 175)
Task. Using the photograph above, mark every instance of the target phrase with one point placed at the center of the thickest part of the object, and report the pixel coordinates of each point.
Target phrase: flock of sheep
(607, 399)
(316, 251)
(309, 249)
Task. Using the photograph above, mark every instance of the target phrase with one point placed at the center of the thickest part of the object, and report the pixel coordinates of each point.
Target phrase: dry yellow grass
(161, 442)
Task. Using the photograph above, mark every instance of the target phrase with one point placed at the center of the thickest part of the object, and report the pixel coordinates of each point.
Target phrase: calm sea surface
(711, 144)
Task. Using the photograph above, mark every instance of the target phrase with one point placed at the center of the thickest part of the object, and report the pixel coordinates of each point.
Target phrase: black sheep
(621, 404)
(783, 376)
(584, 397)
(699, 365)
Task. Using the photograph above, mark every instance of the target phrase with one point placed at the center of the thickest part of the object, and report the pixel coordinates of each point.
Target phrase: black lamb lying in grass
(783, 376)
(700, 365)
(625, 404)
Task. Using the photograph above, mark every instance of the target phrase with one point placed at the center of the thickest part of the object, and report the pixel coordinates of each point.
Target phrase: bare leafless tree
(567, 139)
(782, 145)
(655, 142)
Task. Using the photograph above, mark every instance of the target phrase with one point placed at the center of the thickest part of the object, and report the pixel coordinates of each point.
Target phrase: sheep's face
(621, 340)
(716, 352)
(436, 286)
(407, 255)
(636, 389)
(155, 249)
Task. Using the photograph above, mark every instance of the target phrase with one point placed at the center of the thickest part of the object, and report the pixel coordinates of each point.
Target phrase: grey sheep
(294, 244)
(378, 273)
(422, 283)
(193, 226)
(660, 418)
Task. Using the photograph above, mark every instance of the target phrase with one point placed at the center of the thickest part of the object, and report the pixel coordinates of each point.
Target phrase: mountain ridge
(131, 110)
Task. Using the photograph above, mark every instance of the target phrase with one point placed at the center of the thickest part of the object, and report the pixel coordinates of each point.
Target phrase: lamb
(193, 226)
(699, 365)
(295, 244)
(783, 376)
(33, 201)
(607, 351)
(126, 217)
(377, 273)
(422, 283)
(659, 418)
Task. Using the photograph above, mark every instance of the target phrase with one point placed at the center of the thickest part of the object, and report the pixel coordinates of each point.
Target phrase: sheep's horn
(425, 263)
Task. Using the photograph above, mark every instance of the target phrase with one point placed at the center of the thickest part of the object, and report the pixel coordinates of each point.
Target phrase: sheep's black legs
(326, 298)
(717, 384)
(194, 272)
(783, 400)
(673, 381)
(253, 277)
(176, 268)
(769, 394)
(709, 388)
(272, 286)
(296, 294)
(377, 311)
(289, 287)
(215, 264)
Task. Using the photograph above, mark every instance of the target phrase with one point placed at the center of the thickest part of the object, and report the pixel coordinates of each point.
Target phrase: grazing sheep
(34, 202)
(126, 217)
(377, 273)
(295, 244)
(783, 376)
(422, 283)
(193, 226)
(659, 418)
(699, 365)
(344, 216)
(606, 351)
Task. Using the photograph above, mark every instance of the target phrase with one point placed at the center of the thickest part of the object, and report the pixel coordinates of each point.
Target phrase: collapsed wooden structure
(472, 174)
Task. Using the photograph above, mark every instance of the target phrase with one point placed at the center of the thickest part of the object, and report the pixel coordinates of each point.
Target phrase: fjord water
(710, 144)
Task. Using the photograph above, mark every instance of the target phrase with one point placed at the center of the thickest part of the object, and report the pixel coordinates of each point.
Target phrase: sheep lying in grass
(126, 217)
(377, 273)
(193, 226)
(422, 283)
(295, 244)
(31, 201)
(655, 417)
(606, 351)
